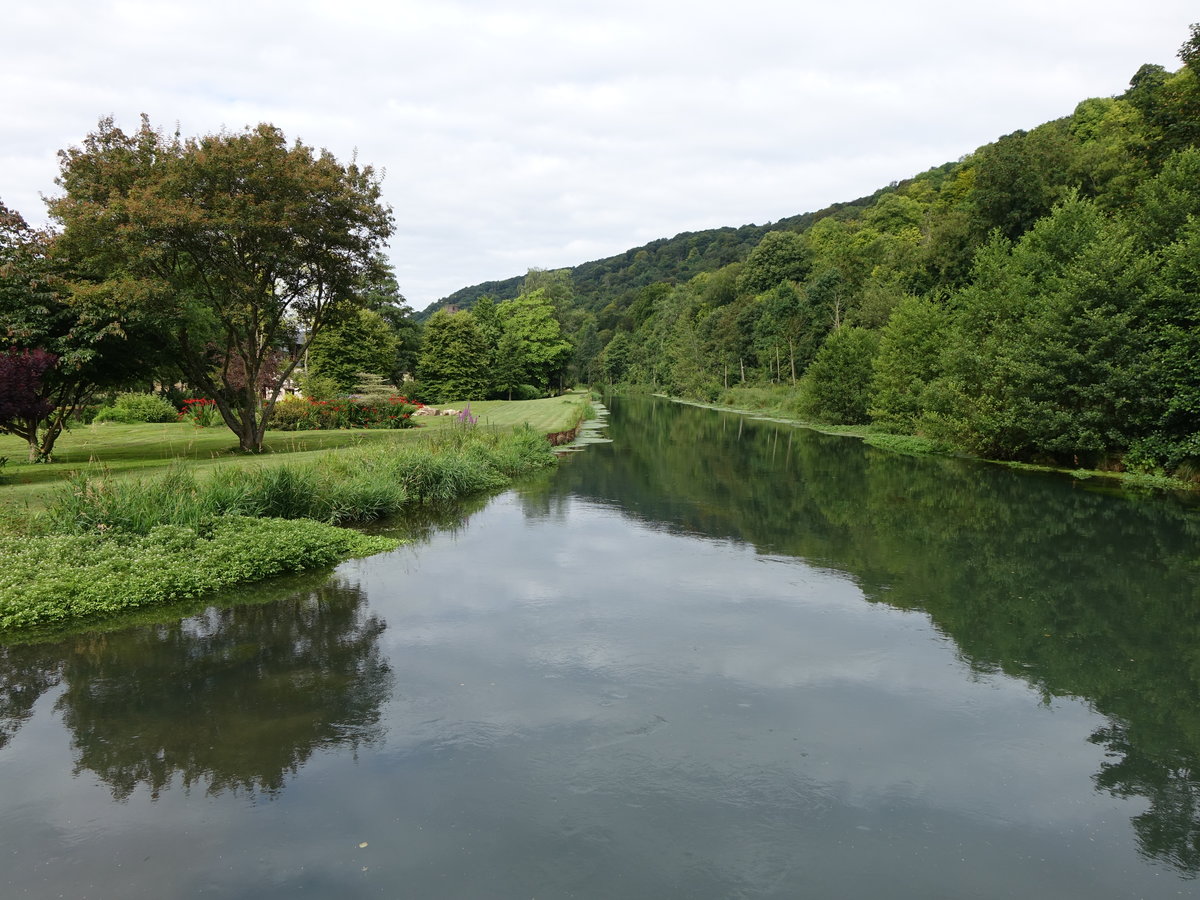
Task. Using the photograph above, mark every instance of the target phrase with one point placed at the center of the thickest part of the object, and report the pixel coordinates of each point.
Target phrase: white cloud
(546, 134)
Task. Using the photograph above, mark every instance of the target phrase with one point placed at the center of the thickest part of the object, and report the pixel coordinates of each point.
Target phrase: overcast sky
(551, 132)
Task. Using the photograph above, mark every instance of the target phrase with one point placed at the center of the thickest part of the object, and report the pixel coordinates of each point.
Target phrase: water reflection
(234, 699)
(1079, 592)
(25, 674)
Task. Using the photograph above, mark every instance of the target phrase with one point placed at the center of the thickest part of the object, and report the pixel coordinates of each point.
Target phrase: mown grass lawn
(135, 450)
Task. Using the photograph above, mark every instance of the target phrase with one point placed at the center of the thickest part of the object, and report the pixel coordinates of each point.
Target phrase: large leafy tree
(780, 256)
(244, 247)
(380, 293)
(535, 337)
(1046, 357)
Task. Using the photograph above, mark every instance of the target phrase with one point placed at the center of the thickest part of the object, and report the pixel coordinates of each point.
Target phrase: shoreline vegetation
(916, 445)
(101, 545)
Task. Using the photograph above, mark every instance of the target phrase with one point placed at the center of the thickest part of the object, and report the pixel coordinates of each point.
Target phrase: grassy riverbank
(98, 544)
(776, 404)
(137, 450)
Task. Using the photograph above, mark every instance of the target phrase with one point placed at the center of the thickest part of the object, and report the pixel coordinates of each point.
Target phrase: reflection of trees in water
(1076, 591)
(235, 698)
(420, 523)
(25, 674)
(1170, 829)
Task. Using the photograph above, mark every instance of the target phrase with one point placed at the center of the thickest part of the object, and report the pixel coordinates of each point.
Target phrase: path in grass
(137, 450)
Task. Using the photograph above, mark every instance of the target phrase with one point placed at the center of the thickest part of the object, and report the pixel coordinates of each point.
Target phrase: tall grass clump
(91, 501)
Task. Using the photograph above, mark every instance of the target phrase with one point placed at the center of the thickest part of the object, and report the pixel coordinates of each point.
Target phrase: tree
(530, 319)
(55, 356)
(780, 256)
(1019, 178)
(362, 343)
(1046, 357)
(509, 369)
(451, 366)
(585, 365)
(909, 357)
(487, 320)
(379, 293)
(839, 380)
(616, 357)
(243, 246)
(24, 400)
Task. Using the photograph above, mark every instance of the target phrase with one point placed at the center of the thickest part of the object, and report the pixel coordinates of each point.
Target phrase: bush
(527, 392)
(132, 409)
(318, 387)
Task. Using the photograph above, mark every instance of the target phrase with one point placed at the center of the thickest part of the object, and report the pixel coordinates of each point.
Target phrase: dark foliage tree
(780, 256)
(58, 353)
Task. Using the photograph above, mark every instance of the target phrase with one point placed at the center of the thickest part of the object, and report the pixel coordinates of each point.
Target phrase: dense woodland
(1037, 299)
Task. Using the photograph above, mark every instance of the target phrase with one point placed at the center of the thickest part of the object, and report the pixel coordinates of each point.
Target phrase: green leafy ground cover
(49, 579)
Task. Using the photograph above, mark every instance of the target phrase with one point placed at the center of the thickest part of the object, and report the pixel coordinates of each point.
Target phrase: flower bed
(299, 414)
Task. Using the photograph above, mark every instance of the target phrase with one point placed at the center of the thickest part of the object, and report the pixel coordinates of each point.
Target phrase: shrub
(527, 392)
(318, 387)
(131, 409)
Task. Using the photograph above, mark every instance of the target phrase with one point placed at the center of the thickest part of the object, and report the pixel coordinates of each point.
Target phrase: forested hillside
(1037, 299)
(674, 259)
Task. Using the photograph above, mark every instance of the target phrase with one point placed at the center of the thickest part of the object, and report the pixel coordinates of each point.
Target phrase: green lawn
(129, 450)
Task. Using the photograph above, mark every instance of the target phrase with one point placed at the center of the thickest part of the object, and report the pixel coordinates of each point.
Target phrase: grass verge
(131, 451)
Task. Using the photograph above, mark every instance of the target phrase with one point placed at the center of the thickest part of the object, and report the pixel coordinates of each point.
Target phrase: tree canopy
(241, 246)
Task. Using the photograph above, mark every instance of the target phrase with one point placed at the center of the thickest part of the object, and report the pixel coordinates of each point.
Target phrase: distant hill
(676, 259)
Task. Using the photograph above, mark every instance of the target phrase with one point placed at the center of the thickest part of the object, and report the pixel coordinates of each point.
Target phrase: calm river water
(717, 658)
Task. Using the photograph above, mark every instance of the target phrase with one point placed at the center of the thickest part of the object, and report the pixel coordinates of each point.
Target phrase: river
(717, 657)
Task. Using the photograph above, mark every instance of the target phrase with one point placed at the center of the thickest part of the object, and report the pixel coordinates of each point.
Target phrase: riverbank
(132, 451)
(915, 445)
(102, 545)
